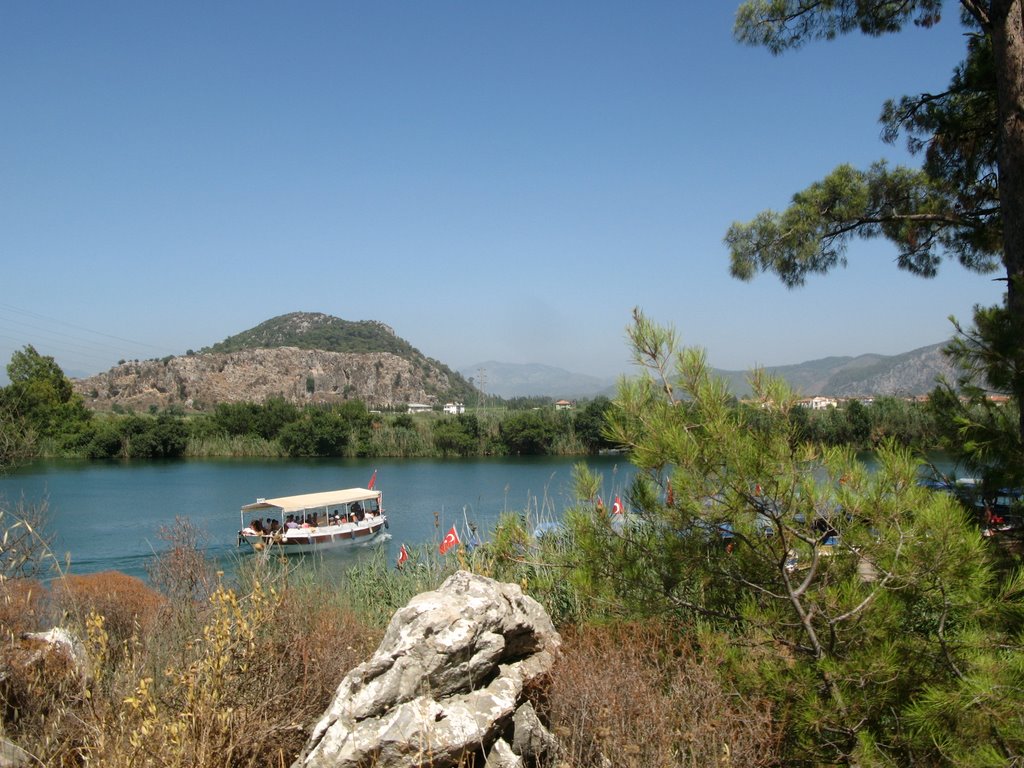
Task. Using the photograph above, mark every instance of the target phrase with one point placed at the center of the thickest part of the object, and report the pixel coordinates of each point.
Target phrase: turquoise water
(108, 515)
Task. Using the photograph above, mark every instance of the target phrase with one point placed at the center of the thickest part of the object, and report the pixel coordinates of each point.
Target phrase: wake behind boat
(313, 522)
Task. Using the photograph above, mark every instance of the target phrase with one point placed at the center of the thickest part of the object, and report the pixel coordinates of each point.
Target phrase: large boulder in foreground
(447, 685)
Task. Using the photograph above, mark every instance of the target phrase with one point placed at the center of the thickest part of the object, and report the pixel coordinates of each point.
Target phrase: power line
(80, 347)
(36, 315)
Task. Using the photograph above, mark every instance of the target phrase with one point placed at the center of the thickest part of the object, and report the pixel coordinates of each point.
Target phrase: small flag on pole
(617, 506)
(373, 479)
(450, 540)
(403, 555)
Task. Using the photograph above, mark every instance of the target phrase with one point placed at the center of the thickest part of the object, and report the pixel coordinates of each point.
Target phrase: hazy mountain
(533, 379)
(910, 373)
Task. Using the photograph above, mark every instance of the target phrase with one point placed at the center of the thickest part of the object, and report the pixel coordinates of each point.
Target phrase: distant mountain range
(308, 357)
(907, 374)
(534, 380)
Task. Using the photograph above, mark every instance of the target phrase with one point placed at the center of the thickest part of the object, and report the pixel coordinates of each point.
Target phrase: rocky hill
(303, 357)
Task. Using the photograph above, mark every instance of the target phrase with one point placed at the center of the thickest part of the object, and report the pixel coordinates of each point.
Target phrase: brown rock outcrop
(379, 379)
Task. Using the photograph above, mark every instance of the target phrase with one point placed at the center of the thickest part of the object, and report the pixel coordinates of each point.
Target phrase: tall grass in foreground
(191, 670)
(232, 679)
(644, 695)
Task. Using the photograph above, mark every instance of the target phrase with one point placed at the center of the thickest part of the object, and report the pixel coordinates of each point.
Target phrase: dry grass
(639, 695)
(261, 661)
(128, 606)
(259, 666)
(287, 651)
(23, 607)
(39, 693)
(198, 674)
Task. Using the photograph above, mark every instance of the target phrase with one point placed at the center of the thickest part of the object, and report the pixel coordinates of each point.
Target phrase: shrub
(264, 663)
(640, 695)
(126, 604)
(528, 432)
(23, 607)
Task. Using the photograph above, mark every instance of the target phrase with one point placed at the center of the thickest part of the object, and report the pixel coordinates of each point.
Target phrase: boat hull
(300, 541)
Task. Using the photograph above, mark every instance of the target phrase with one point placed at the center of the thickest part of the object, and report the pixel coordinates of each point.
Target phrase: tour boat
(313, 522)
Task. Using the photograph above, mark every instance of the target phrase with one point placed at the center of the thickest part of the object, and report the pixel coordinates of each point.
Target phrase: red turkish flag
(450, 540)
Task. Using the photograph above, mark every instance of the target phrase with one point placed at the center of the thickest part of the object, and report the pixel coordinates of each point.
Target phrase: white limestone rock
(446, 680)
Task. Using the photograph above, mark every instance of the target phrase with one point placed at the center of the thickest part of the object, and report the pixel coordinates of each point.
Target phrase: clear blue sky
(495, 181)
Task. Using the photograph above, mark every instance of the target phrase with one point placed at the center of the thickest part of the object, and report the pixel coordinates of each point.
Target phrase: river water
(108, 515)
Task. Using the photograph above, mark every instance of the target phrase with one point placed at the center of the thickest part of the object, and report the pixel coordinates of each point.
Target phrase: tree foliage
(38, 404)
(948, 207)
(589, 424)
(265, 419)
(980, 430)
(870, 602)
(459, 436)
(528, 432)
(782, 24)
(966, 201)
(139, 437)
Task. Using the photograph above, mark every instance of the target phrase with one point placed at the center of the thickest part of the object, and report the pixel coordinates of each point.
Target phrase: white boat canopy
(288, 504)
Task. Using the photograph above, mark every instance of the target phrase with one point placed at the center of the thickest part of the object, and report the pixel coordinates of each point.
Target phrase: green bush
(528, 432)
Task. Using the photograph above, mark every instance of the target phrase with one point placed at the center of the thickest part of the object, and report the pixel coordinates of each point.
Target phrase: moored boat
(314, 522)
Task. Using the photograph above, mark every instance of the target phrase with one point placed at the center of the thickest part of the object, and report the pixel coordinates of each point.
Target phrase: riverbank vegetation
(41, 417)
(193, 669)
(763, 601)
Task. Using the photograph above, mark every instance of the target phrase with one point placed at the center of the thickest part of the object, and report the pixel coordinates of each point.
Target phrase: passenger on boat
(290, 523)
(357, 509)
(257, 526)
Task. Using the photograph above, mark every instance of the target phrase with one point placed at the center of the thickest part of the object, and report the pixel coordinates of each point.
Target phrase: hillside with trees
(316, 330)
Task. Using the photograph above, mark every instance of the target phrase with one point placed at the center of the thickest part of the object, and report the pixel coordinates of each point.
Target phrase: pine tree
(967, 199)
(870, 605)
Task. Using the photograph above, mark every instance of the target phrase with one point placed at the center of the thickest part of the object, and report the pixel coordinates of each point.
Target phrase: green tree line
(43, 417)
(40, 415)
(40, 406)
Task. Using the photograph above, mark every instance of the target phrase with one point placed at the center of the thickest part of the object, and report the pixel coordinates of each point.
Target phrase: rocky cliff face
(912, 373)
(379, 379)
